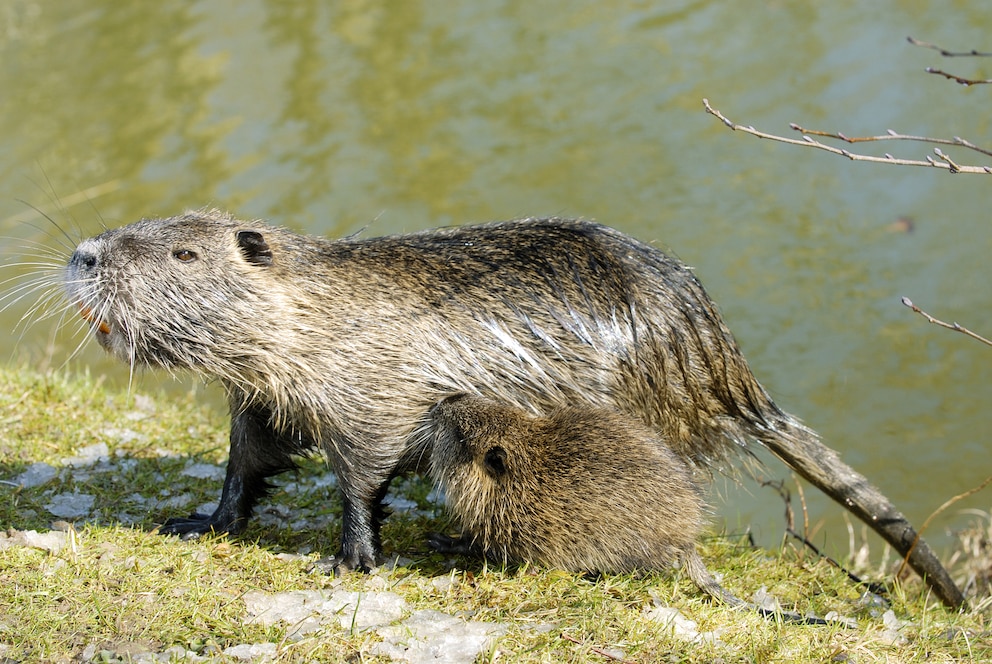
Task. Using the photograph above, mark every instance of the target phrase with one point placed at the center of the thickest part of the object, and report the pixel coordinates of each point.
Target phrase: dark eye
(184, 255)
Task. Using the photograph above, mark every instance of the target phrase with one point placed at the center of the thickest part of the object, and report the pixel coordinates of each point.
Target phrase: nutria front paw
(451, 545)
(195, 525)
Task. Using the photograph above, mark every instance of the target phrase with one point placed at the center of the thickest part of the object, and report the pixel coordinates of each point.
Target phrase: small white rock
(682, 628)
(890, 621)
(341, 607)
(432, 637)
(88, 456)
(765, 600)
(252, 652)
(847, 621)
(36, 474)
(204, 471)
(71, 505)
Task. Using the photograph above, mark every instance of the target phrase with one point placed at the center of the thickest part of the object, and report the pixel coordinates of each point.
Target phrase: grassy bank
(94, 471)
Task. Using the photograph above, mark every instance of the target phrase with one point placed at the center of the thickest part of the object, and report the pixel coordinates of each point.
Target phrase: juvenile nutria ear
(494, 461)
(254, 248)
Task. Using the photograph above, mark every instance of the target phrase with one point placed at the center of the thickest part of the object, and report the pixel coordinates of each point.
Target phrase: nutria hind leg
(257, 453)
(701, 576)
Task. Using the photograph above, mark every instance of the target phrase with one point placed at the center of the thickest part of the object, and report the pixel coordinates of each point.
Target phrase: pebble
(88, 456)
(254, 652)
(682, 628)
(204, 471)
(71, 505)
(310, 608)
(423, 636)
(431, 636)
(36, 474)
(52, 541)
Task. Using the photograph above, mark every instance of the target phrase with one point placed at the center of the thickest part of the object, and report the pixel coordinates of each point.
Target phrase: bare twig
(945, 52)
(950, 326)
(958, 79)
(951, 54)
(802, 503)
(942, 162)
(598, 651)
(892, 136)
(779, 486)
(948, 503)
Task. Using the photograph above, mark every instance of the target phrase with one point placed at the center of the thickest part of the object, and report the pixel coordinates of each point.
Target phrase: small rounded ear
(495, 461)
(254, 248)
(457, 396)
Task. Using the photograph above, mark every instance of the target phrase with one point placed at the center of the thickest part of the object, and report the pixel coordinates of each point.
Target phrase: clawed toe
(191, 527)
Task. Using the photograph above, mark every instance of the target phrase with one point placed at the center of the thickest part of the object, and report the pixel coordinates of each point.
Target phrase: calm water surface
(331, 117)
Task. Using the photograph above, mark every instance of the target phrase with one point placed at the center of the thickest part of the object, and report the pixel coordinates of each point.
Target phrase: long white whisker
(15, 295)
(83, 340)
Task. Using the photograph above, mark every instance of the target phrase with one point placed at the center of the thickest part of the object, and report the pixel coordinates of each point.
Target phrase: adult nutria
(344, 345)
(582, 489)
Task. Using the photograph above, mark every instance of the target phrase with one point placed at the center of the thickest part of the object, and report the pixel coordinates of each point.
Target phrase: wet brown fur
(583, 489)
(343, 346)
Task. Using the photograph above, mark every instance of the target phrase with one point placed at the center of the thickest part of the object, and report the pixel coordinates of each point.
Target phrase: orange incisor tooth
(87, 314)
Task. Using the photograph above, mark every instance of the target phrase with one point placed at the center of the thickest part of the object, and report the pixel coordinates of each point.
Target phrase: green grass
(117, 589)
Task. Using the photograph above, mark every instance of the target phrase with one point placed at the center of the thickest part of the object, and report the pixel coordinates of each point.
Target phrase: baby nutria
(583, 489)
(344, 345)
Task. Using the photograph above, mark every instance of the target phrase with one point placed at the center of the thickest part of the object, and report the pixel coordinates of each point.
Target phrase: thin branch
(942, 162)
(958, 79)
(802, 503)
(598, 651)
(892, 136)
(950, 326)
(790, 529)
(951, 54)
(945, 52)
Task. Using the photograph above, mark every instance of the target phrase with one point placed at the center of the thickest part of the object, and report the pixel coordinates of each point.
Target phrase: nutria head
(170, 292)
(476, 460)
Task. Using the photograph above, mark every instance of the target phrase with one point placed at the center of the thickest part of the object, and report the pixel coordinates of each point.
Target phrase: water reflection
(110, 92)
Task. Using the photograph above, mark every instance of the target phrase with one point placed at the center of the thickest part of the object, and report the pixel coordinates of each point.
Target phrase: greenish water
(336, 116)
